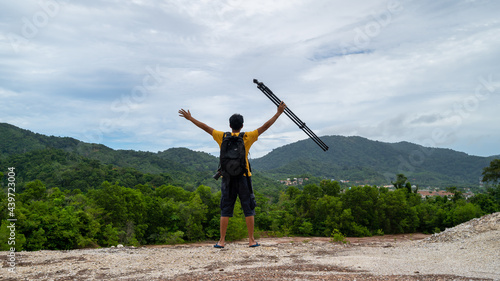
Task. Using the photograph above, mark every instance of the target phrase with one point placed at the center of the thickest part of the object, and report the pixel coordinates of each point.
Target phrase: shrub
(337, 236)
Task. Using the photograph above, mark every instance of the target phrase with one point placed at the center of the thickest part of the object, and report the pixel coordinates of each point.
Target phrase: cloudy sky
(117, 72)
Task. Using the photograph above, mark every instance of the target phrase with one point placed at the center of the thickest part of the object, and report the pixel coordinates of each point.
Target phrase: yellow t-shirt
(249, 138)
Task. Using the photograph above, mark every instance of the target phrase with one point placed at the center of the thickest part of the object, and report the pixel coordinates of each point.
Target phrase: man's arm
(201, 125)
(273, 119)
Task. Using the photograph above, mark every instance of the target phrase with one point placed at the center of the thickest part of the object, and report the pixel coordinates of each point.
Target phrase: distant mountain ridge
(357, 159)
(15, 141)
(373, 162)
(185, 168)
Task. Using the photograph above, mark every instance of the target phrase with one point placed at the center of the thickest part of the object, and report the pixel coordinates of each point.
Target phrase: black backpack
(232, 155)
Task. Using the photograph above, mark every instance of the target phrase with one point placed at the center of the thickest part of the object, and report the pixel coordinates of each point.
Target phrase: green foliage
(71, 164)
(354, 158)
(166, 237)
(330, 188)
(306, 228)
(74, 195)
(174, 192)
(485, 202)
(194, 216)
(371, 162)
(108, 235)
(35, 191)
(111, 214)
(492, 172)
(337, 237)
(8, 241)
(400, 182)
(464, 212)
(119, 204)
(457, 194)
(237, 228)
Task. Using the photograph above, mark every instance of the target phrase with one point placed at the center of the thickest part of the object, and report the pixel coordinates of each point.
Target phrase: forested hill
(357, 159)
(69, 194)
(49, 158)
(365, 161)
(15, 140)
(69, 163)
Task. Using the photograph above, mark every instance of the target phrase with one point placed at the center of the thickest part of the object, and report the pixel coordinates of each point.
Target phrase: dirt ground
(301, 270)
(287, 258)
(352, 241)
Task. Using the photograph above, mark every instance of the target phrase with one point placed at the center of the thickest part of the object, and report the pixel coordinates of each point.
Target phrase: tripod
(290, 114)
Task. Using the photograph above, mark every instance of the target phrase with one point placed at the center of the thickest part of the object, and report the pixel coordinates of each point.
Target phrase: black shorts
(233, 187)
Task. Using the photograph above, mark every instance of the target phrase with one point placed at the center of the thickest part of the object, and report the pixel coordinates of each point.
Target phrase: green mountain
(364, 161)
(67, 163)
(356, 159)
(14, 140)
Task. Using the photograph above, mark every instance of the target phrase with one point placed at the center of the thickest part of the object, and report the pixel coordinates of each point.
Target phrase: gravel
(470, 251)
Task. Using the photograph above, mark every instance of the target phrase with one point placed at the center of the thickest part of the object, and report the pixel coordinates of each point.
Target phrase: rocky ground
(470, 251)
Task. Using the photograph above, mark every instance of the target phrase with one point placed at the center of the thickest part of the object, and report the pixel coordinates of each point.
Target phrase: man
(242, 186)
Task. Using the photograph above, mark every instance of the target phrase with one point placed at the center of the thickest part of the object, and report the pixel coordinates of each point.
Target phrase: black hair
(236, 121)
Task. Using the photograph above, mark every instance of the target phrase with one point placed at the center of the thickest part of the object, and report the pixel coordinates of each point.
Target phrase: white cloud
(386, 70)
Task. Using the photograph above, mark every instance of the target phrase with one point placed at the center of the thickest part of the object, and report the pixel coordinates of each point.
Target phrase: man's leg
(247, 200)
(250, 226)
(227, 200)
(224, 221)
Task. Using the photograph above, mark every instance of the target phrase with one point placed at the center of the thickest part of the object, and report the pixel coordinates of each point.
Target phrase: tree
(486, 202)
(495, 194)
(465, 212)
(175, 192)
(402, 182)
(5, 238)
(331, 188)
(35, 190)
(492, 173)
(326, 214)
(399, 216)
(457, 194)
(363, 202)
(125, 208)
(109, 235)
(193, 214)
(293, 192)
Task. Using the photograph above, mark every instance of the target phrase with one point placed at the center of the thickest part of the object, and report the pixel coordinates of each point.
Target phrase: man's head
(236, 122)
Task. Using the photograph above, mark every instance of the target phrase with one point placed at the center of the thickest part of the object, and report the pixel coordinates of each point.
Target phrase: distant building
(425, 193)
(294, 181)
